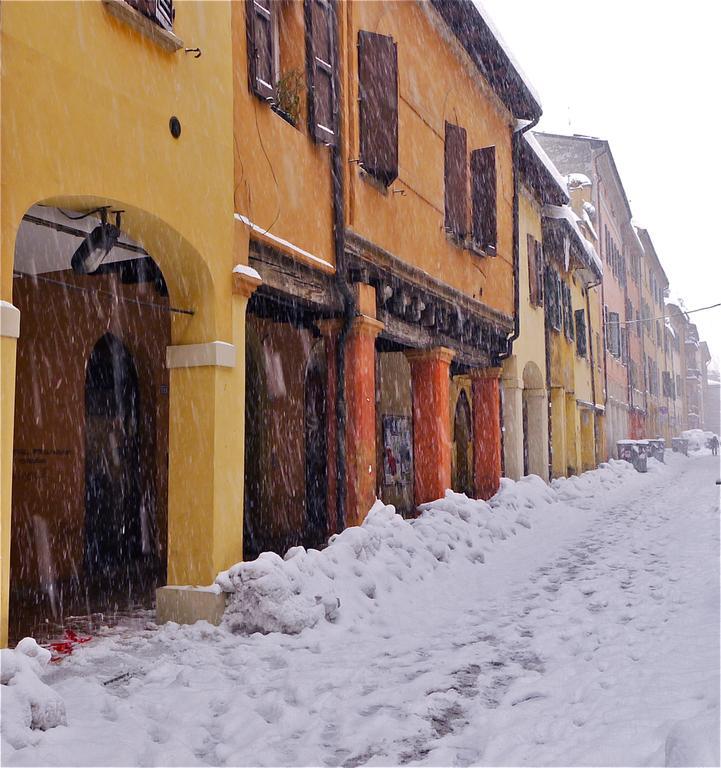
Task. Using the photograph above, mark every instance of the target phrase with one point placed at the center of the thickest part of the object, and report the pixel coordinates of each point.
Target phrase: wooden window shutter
(483, 183)
(320, 62)
(539, 272)
(378, 97)
(532, 270)
(456, 184)
(581, 346)
(260, 31)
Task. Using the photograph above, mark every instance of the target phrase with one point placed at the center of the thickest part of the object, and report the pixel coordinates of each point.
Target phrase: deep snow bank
(27, 703)
(363, 565)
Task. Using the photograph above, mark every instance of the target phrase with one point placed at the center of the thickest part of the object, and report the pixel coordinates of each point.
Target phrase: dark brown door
(113, 525)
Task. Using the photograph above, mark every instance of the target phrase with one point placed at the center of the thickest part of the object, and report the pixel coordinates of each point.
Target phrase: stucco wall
(436, 83)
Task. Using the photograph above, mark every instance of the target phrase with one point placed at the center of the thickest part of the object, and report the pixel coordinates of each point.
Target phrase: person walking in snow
(714, 445)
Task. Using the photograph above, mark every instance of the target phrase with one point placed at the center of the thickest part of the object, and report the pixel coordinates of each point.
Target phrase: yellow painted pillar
(9, 332)
(558, 431)
(588, 441)
(512, 427)
(207, 439)
(572, 435)
(537, 407)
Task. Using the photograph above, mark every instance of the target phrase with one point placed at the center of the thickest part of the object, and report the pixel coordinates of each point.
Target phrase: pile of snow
(359, 569)
(698, 440)
(27, 703)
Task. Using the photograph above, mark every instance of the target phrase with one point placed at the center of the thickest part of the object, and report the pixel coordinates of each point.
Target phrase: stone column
(573, 462)
(537, 432)
(430, 381)
(513, 427)
(588, 444)
(360, 392)
(486, 431)
(558, 431)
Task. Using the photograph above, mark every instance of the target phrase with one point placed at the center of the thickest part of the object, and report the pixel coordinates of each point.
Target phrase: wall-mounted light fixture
(97, 245)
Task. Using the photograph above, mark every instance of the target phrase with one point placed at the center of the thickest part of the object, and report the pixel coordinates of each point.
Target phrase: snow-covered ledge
(9, 320)
(188, 604)
(245, 280)
(212, 353)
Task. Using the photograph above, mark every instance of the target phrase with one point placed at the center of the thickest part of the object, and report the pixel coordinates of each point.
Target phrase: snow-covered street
(589, 638)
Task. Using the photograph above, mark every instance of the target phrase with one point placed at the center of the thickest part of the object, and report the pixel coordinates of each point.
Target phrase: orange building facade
(374, 197)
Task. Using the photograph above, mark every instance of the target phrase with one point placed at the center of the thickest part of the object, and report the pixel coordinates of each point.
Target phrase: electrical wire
(101, 292)
(665, 317)
(84, 215)
(270, 165)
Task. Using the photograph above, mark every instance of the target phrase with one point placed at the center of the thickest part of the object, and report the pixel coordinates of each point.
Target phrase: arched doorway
(463, 445)
(90, 446)
(316, 457)
(117, 533)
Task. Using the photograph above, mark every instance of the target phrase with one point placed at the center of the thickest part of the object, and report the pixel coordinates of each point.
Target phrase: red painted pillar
(430, 380)
(360, 391)
(486, 431)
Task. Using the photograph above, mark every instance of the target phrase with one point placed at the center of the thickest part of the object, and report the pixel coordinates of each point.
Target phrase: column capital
(487, 373)
(367, 326)
(441, 354)
(511, 383)
(538, 392)
(330, 328)
(245, 280)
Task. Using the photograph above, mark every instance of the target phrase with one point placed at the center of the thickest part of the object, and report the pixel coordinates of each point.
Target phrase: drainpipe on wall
(592, 361)
(603, 292)
(516, 137)
(515, 140)
(347, 295)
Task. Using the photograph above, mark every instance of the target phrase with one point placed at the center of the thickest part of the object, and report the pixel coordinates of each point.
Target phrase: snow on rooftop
(635, 228)
(540, 153)
(507, 50)
(578, 180)
(567, 213)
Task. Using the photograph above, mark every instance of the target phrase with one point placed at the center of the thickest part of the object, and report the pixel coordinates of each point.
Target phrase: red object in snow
(65, 647)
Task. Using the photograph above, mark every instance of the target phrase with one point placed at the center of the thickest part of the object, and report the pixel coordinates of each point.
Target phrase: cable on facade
(101, 292)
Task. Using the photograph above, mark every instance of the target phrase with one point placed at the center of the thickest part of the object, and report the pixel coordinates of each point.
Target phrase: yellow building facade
(103, 108)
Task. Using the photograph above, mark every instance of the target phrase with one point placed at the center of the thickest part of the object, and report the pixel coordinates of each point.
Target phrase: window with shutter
(320, 59)
(455, 180)
(378, 98)
(581, 345)
(532, 270)
(567, 311)
(160, 11)
(262, 43)
(483, 199)
(554, 300)
(614, 334)
(539, 272)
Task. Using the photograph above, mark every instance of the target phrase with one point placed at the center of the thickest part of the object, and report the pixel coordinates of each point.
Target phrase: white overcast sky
(644, 75)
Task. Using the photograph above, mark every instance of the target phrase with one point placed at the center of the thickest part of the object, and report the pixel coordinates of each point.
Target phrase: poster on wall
(397, 450)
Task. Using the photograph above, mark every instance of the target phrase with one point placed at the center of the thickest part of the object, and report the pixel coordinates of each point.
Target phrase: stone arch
(185, 281)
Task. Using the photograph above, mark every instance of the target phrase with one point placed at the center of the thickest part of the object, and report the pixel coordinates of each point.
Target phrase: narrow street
(592, 638)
